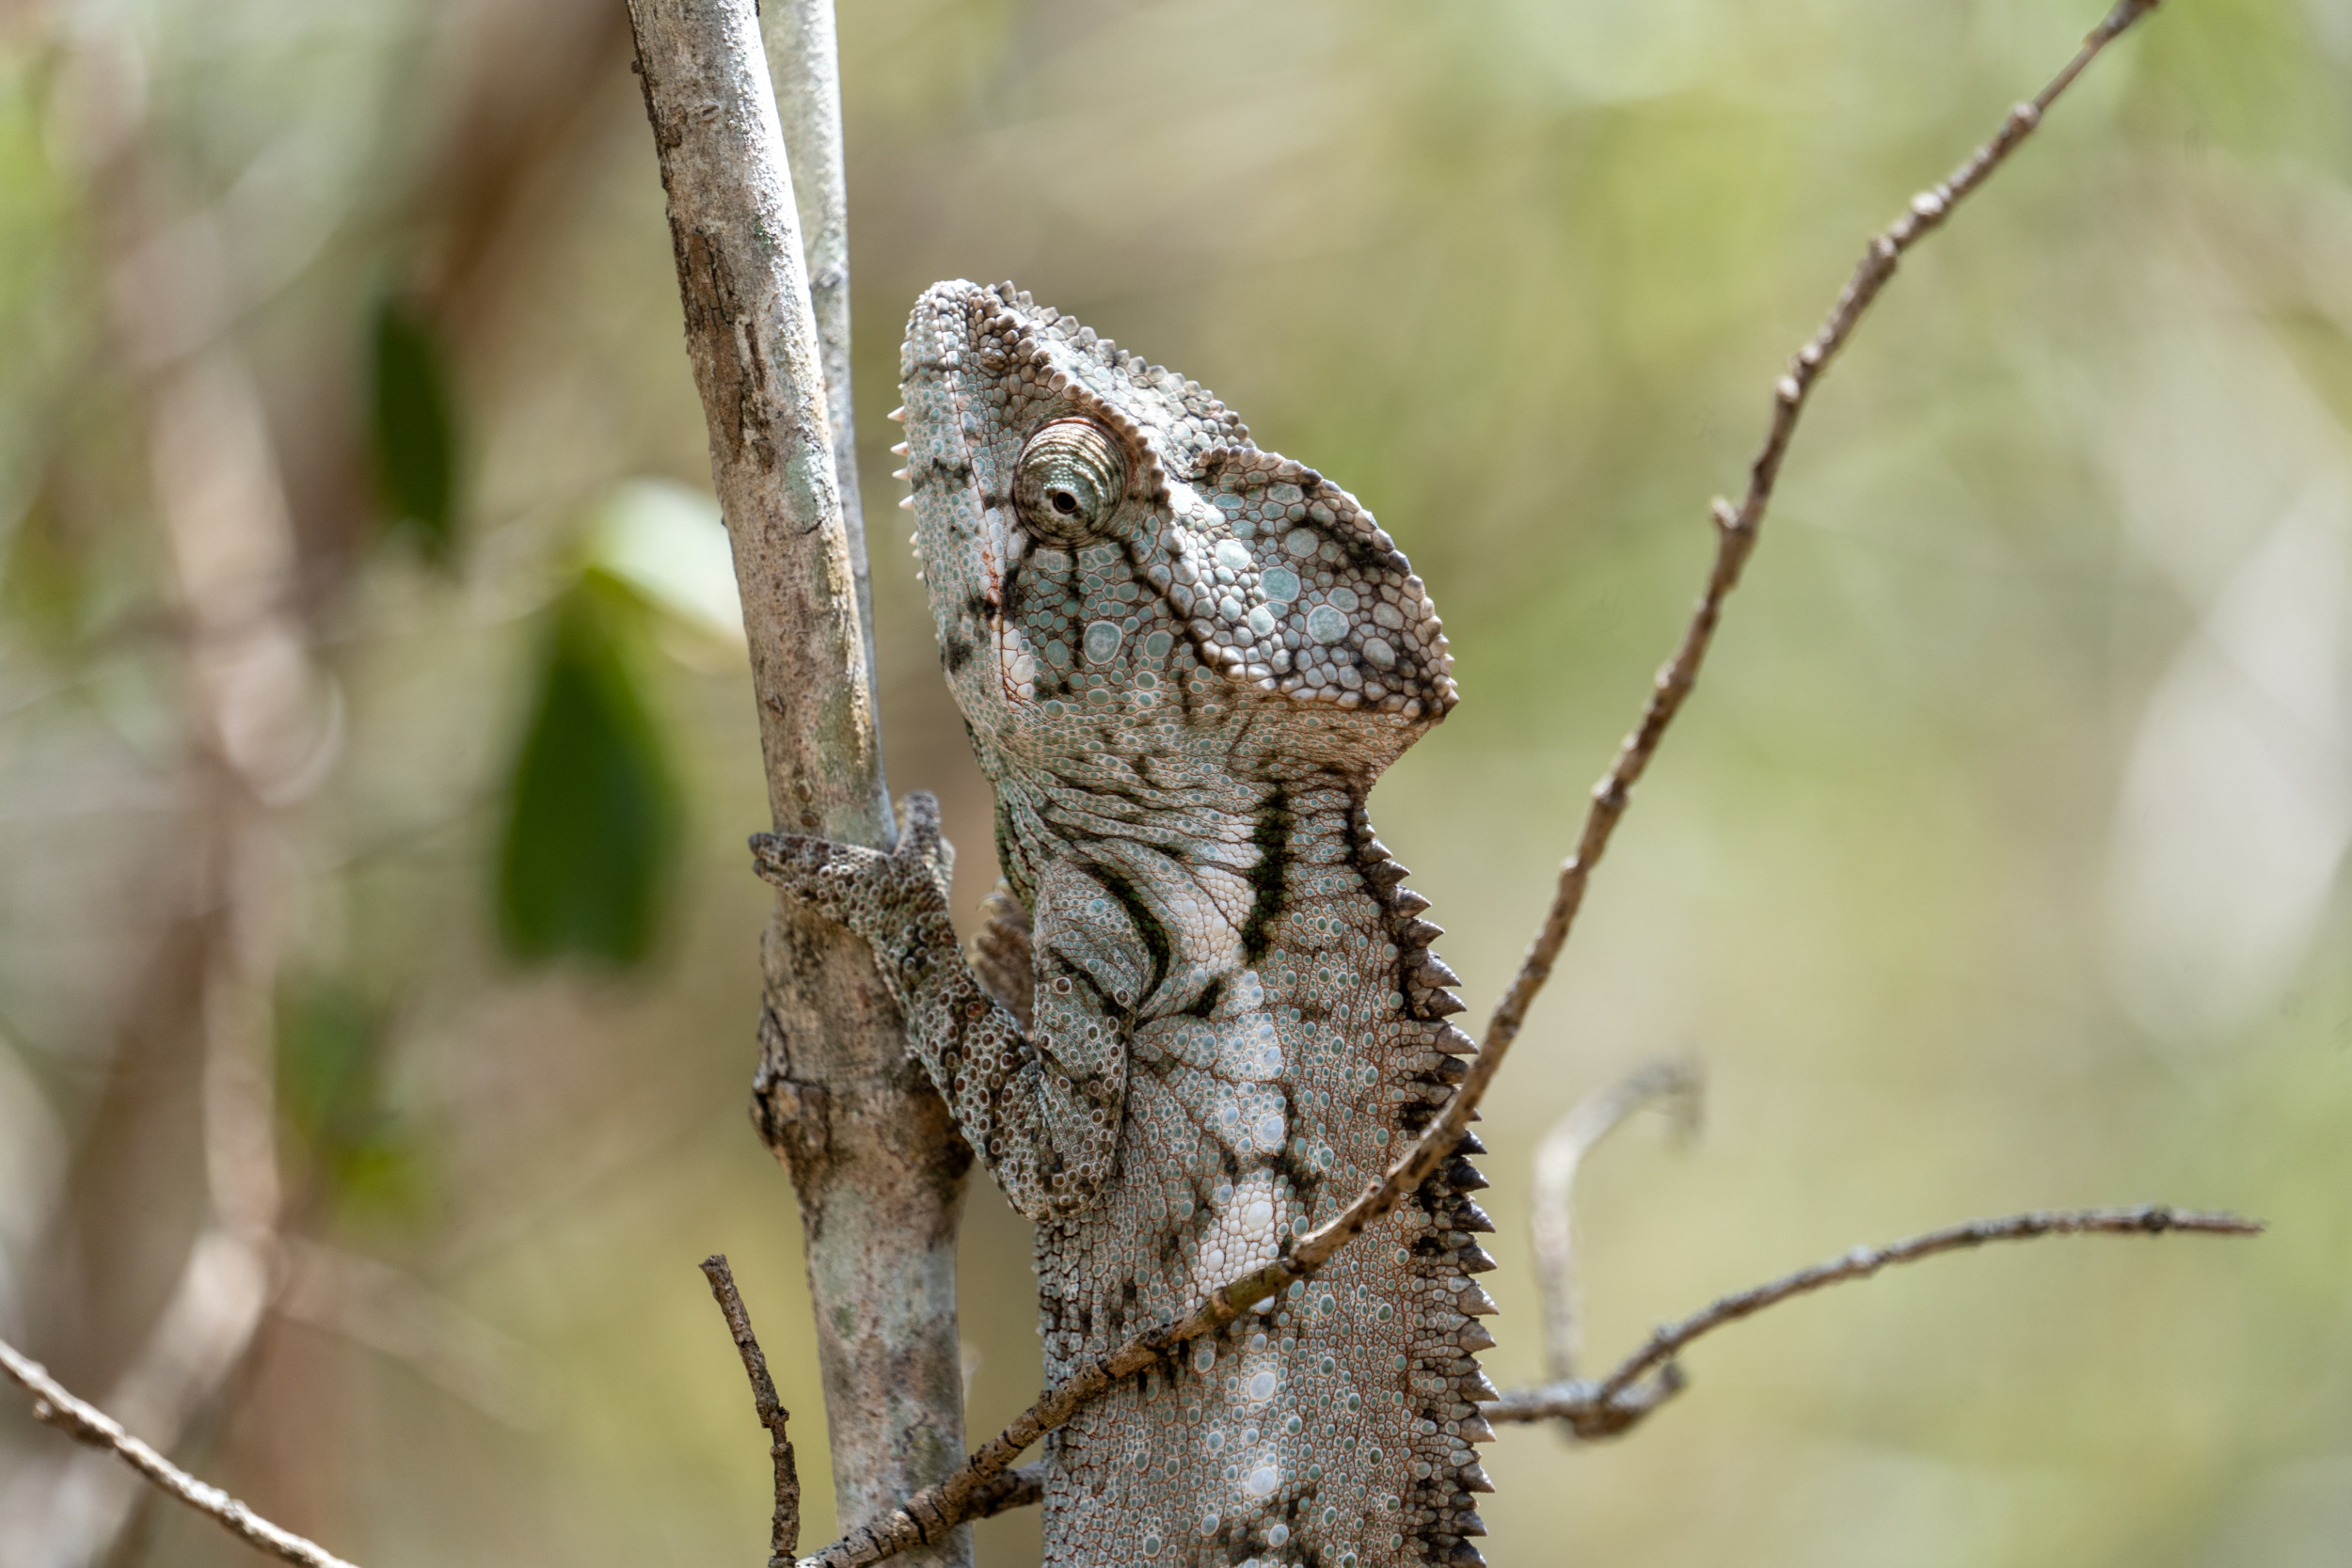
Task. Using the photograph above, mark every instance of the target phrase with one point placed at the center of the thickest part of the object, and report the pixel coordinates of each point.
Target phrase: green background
(1993, 866)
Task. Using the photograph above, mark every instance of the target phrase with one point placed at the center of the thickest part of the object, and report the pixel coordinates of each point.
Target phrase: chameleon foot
(896, 902)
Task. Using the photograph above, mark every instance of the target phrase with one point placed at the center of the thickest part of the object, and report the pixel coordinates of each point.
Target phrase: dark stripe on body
(1272, 836)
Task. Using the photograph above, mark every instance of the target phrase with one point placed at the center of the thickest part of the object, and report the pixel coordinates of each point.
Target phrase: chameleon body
(1182, 662)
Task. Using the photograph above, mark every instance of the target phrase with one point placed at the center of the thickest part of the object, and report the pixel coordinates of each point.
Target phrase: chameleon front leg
(1043, 1109)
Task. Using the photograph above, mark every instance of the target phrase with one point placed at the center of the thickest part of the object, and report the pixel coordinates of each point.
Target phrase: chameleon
(1182, 662)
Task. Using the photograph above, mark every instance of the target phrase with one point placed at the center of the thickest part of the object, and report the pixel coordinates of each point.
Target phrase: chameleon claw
(921, 841)
(812, 871)
(877, 896)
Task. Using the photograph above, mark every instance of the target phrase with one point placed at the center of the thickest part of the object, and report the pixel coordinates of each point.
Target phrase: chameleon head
(1109, 557)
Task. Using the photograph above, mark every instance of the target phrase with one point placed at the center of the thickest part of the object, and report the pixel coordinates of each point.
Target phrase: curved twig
(784, 1532)
(1737, 530)
(1650, 1376)
(1677, 1084)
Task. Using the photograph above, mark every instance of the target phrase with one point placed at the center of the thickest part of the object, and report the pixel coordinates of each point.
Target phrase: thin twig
(1650, 1376)
(1557, 1161)
(928, 1513)
(1737, 530)
(785, 1537)
(86, 1423)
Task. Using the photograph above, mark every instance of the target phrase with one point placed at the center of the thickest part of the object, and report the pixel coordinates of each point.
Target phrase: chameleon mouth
(1008, 645)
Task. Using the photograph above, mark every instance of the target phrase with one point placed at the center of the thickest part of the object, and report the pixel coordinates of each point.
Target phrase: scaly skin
(1183, 662)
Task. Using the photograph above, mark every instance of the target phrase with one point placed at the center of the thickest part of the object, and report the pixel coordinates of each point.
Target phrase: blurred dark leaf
(593, 814)
(414, 429)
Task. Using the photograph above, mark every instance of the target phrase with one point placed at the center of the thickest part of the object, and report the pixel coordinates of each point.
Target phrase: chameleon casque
(1182, 662)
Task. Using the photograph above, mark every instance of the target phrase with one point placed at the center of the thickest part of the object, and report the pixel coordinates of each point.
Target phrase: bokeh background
(375, 753)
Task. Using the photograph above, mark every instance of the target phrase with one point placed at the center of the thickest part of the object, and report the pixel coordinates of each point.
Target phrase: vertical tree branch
(258, 740)
(752, 342)
(878, 1166)
(252, 696)
(805, 62)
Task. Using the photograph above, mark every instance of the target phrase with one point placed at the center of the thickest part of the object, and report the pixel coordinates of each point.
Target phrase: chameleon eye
(1069, 480)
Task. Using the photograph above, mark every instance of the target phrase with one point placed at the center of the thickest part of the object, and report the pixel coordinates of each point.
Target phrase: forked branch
(1650, 1376)
(929, 1513)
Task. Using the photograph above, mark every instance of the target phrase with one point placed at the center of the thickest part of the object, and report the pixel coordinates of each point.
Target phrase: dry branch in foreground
(86, 1423)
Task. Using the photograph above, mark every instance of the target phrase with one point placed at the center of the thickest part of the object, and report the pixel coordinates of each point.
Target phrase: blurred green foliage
(44, 583)
(331, 1095)
(415, 430)
(589, 847)
(1996, 862)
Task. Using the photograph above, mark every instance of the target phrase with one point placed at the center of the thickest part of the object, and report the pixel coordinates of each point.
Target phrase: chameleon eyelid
(1070, 479)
